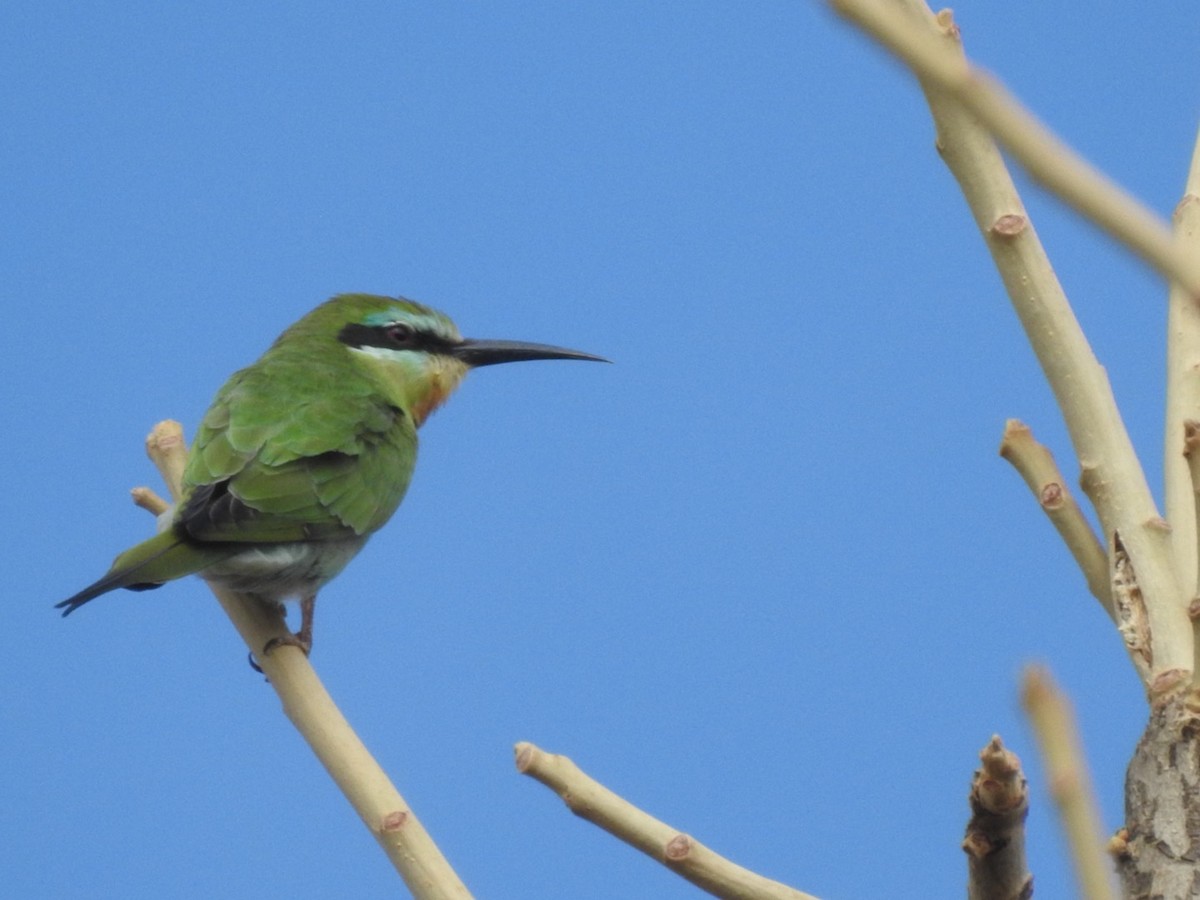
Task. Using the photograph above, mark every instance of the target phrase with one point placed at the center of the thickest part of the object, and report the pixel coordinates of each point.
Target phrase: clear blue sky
(765, 576)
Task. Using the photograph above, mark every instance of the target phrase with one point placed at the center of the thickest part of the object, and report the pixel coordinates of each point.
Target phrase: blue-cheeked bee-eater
(306, 453)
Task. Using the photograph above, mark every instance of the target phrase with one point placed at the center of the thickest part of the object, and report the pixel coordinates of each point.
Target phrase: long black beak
(476, 353)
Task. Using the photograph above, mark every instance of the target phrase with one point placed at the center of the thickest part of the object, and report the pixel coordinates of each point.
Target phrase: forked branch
(898, 26)
(969, 110)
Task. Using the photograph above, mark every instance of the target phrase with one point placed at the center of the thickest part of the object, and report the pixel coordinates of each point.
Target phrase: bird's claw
(291, 640)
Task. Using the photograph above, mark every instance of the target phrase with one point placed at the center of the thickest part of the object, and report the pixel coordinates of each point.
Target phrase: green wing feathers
(292, 449)
(334, 462)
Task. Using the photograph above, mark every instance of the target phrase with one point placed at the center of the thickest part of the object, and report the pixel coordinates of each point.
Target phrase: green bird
(307, 453)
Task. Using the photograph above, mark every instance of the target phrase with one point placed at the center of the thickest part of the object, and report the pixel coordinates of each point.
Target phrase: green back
(303, 445)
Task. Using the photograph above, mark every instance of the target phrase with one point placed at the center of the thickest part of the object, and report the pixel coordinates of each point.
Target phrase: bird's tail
(147, 565)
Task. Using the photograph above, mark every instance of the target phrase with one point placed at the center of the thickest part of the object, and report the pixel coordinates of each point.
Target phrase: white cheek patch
(387, 353)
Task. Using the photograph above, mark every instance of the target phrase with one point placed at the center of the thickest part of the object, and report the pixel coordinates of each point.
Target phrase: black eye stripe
(392, 336)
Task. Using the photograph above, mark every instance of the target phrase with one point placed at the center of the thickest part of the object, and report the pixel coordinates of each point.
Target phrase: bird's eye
(401, 334)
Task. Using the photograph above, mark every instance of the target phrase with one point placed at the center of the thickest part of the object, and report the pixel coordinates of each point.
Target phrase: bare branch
(590, 800)
(1183, 388)
(168, 451)
(1047, 159)
(995, 841)
(306, 702)
(149, 501)
(1181, 471)
(1053, 723)
(1036, 465)
(1111, 474)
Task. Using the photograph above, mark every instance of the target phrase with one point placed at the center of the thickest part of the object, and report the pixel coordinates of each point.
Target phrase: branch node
(1181, 207)
(1009, 225)
(1052, 496)
(1158, 523)
(976, 845)
(1191, 436)
(945, 21)
(1168, 681)
(678, 848)
(394, 821)
(1118, 845)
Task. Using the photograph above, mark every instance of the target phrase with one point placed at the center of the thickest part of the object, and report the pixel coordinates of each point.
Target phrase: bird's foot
(301, 639)
(292, 640)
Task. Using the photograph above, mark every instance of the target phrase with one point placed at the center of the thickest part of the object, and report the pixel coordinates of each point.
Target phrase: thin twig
(149, 501)
(1047, 159)
(1036, 465)
(590, 800)
(995, 840)
(306, 702)
(1053, 723)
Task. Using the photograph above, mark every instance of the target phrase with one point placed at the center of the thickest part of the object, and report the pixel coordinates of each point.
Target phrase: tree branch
(1155, 851)
(306, 702)
(1036, 465)
(960, 99)
(1181, 478)
(1048, 160)
(995, 841)
(590, 800)
(1054, 727)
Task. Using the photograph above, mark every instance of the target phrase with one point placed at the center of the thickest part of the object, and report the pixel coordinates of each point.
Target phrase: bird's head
(418, 351)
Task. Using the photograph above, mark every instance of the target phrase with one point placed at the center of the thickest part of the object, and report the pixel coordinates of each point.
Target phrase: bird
(306, 453)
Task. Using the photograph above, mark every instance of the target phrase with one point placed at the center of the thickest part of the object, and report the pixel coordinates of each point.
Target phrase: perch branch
(686, 857)
(1111, 474)
(1036, 465)
(995, 841)
(1057, 736)
(306, 702)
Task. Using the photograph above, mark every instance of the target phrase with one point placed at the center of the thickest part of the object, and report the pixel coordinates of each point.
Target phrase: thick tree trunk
(1158, 851)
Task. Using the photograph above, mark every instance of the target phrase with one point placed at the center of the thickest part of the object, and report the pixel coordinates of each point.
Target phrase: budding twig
(995, 839)
(690, 859)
